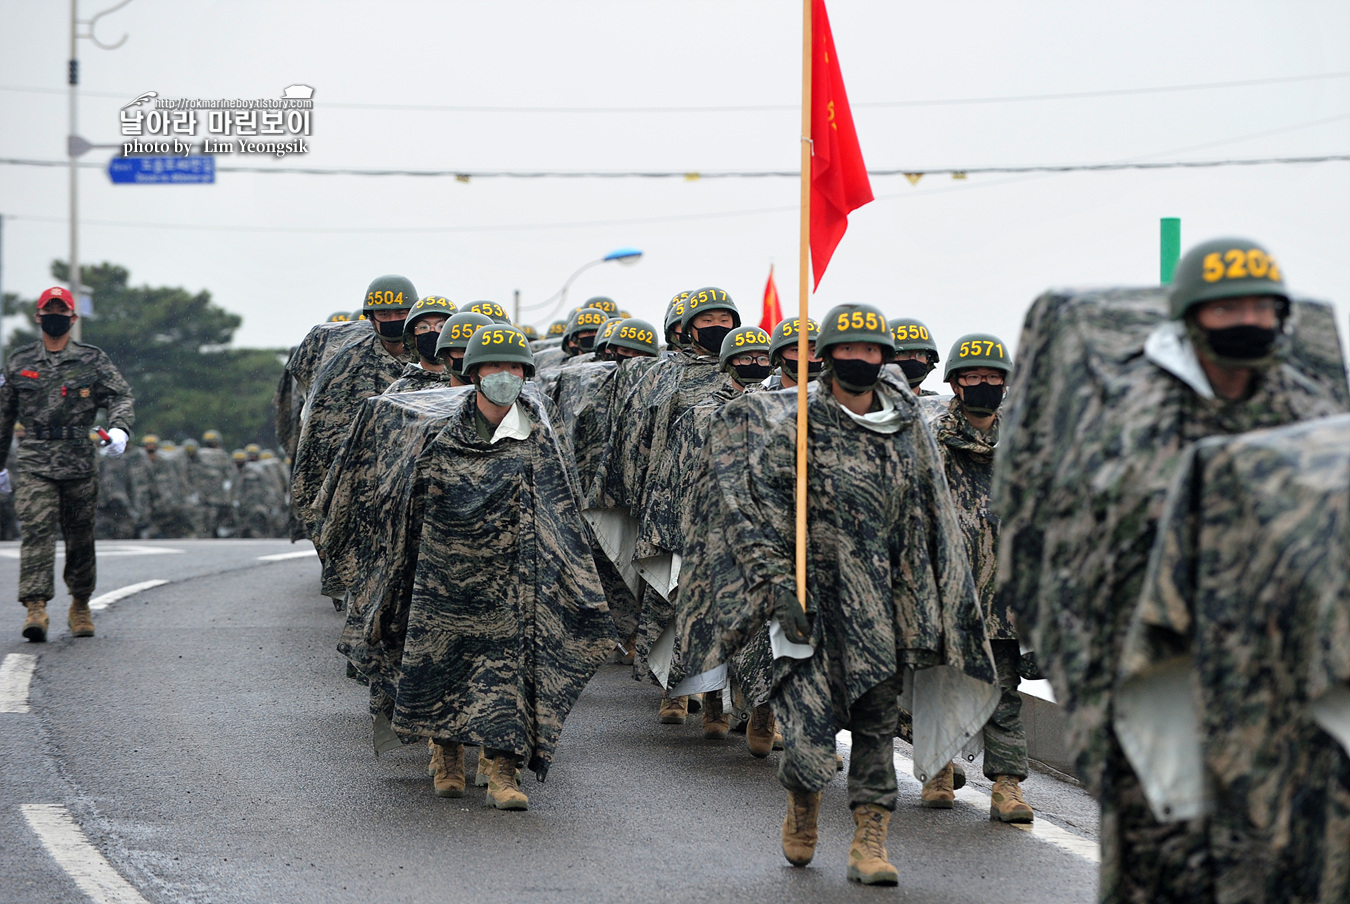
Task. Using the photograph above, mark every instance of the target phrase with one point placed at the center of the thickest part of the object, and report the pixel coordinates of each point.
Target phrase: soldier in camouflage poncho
(506, 619)
(421, 335)
(888, 585)
(1109, 394)
(1245, 621)
(364, 367)
(123, 496)
(967, 434)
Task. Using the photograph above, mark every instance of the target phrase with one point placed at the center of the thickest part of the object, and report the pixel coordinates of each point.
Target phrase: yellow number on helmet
(1213, 267)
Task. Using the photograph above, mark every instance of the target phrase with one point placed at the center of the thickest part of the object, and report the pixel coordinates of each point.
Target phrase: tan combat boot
(799, 827)
(716, 720)
(1005, 801)
(435, 756)
(449, 778)
(867, 860)
(504, 786)
(760, 731)
(81, 622)
(35, 626)
(484, 773)
(673, 711)
(938, 793)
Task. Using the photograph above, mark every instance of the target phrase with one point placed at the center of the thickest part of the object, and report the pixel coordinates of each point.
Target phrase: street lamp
(625, 256)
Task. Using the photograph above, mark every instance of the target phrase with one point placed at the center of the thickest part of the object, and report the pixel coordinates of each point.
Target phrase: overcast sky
(285, 251)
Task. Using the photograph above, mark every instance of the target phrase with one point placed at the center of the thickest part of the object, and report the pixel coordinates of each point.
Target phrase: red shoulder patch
(31, 374)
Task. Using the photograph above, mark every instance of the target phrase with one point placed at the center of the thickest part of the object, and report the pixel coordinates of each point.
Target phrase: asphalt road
(208, 747)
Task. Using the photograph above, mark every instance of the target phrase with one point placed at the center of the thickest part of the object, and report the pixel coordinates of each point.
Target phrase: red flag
(838, 175)
(773, 311)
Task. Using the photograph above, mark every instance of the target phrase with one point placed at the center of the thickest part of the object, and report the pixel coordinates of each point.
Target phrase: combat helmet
(530, 332)
(211, 439)
(238, 456)
(977, 350)
(702, 301)
(339, 317)
(456, 333)
(784, 336)
(583, 320)
(253, 450)
(740, 341)
(389, 293)
(855, 323)
(603, 335)
(491, 309)
(432, 304)
(501, 343)
(637, 335)
(913, 336)
(555, 329)
(1224, 268)
(603, 303)
(674, 319)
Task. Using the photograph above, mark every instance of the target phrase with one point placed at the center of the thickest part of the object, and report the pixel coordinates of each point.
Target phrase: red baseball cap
(56, 295)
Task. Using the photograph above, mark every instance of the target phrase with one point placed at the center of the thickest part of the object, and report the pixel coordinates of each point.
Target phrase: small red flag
(773, 311)
(838, 175)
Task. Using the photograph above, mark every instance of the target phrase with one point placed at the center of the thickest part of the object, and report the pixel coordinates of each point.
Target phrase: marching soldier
(422, 333)
(57, 385)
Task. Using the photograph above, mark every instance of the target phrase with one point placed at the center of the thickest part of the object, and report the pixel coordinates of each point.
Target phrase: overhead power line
(764, 108)
(727, 174)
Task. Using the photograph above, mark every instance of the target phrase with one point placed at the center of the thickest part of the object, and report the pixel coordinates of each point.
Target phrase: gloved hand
(5, 485)
(117, 442)
(796, 624)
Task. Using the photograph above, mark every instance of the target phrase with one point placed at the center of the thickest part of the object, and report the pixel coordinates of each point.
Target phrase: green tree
(173, 348)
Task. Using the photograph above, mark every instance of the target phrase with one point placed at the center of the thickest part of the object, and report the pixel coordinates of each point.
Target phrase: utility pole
(75, 145)
(515, 309)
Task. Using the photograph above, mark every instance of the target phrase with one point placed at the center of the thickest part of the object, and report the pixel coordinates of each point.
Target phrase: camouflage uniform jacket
(211, 475)
(415, 378)
(354, 372)
(968, 460)
(1250, 580)
(887, 578)
(124, 489)
(1091, 437)
(60, 392)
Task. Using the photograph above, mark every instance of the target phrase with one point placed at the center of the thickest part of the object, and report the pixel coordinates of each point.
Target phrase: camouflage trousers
(47, 507)
(1005, 738)
(806, 719)
(203, 518)
(114, 522)
(1145, 861)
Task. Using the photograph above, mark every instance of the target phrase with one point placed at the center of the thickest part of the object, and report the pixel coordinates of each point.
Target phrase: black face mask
(426, 345)
(915, 371)
(586, 342)
(981, 400)
(390, 329)
(751, 373)
(455, 364)
(710, 338)
(55, 325)
(855, 376)
(1242, 343)
(790, 369)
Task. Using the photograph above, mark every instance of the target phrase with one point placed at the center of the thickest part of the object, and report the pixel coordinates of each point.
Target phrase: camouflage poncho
(618, 392)
(968, 460)
(415, 378)
(1092, 436)
(886, 567)
(1249, 590)
(303, 365)
(358, 370)
(582, 413)
(507, 619)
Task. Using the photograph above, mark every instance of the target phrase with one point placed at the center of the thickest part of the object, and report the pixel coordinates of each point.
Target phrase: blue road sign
(160, 170)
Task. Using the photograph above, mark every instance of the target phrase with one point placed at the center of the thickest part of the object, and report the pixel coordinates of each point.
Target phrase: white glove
(117, 442)
(5, 486)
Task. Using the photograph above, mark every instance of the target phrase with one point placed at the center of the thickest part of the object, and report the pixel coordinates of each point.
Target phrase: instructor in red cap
(56, 386)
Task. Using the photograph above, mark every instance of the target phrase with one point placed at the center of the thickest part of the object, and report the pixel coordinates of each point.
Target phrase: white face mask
(501, 388)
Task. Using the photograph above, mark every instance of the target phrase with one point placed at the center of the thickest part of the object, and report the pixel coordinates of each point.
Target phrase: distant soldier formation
(164, 491)
(1149, 508)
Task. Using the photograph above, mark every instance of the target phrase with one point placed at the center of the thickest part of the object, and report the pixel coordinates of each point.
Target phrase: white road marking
(70, 848)
(1040, 828)
(107, 599)
(108, 552)
(283, 556)
(16, 673)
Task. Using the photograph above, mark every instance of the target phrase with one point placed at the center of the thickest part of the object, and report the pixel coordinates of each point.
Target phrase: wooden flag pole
(804, 295)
